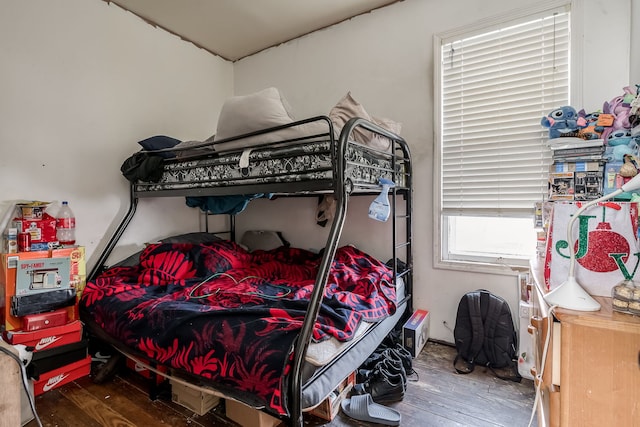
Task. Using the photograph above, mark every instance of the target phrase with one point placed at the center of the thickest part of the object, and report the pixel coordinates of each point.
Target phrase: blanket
(231, 316)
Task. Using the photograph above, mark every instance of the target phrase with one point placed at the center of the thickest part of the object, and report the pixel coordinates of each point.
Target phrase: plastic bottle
(11, 241)
(66, 225)
(379, 208)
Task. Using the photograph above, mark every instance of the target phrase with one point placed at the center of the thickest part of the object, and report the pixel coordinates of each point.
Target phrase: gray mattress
(319, 380)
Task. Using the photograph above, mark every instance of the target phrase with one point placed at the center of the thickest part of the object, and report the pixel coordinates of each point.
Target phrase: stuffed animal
(591, 129)
(563, 121)
(620, 143)
(620, 107)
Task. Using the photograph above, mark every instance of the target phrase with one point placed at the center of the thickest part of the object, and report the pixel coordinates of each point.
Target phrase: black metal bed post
(408, 183)
(409, 223)
(333, 240)
(133, 203)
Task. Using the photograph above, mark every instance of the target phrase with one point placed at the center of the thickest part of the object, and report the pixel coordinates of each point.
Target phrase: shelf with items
(594, 153)
(40, 282)
(40, 285)
(586, 364)
(39, 294)
(595, 157)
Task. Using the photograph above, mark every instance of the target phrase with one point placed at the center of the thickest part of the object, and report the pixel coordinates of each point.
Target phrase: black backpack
(485, 335)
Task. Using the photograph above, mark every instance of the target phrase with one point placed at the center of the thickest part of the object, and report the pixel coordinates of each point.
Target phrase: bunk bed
(317, 349)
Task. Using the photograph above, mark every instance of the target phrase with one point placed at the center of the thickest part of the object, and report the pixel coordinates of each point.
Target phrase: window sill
(481, 267)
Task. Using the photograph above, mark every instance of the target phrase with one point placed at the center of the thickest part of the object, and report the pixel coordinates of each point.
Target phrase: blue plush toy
(563, 121)
(619, 144)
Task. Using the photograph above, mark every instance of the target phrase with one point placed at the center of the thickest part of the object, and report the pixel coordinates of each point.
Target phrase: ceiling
(233, 29)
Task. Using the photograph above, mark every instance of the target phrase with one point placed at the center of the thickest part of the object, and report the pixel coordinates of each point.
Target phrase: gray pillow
(195, 238)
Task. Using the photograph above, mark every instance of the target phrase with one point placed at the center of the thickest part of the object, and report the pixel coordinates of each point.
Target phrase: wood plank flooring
(439, 398)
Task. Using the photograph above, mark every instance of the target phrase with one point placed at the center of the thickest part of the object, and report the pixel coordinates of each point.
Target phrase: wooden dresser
(592, 371)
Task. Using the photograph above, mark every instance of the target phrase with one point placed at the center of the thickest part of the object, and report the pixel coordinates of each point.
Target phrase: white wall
(82, 82)
(385, 58)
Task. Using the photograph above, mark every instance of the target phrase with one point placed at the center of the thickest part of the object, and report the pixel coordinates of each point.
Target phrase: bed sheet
(231, 317)
(323, 352)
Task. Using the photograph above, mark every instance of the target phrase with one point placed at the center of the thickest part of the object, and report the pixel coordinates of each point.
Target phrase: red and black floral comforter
(230, 316)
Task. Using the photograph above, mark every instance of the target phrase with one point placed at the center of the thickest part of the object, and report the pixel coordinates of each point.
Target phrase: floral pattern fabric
(293, 163)
(231, 317)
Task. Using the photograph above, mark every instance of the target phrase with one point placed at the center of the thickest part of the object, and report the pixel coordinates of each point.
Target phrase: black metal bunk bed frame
(342, 188)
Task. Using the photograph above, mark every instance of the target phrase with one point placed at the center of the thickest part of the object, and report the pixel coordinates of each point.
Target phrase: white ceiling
(234, 29)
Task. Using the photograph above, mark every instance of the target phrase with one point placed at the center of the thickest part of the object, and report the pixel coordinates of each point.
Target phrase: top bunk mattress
(305, 162)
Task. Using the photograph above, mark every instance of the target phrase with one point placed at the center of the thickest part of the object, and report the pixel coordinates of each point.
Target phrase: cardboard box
(8, 275)
(330, 407)
(588, 185)
(34, 322)
(198, 401)
(579, 166)
(42, 230)
(50, 359)
(415, 332)
(42, 275)
(65, 374)
(561, 186)
(143, 371)
(48, 337)
(77, 266)
(246, 416)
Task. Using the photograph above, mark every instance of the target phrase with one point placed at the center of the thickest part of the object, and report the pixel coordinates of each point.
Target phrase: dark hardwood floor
(440, 397)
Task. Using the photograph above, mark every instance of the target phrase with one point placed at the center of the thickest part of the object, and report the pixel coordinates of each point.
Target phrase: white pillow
(249, 113)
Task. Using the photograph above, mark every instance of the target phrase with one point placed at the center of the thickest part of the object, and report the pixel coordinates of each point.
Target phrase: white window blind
(496, 87)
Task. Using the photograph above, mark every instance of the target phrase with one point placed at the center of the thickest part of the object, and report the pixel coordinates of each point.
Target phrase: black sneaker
(383, 387)
(375, 358)
(389, 365)
(402, 354)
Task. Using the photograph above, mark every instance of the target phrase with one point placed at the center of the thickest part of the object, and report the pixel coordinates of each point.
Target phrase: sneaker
(384, 387)
(402, 354)
(389, 365)
(393, 339)
(376, 357)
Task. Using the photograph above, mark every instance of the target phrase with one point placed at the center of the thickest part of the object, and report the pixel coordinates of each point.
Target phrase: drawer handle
(532, 330)
(536, 321)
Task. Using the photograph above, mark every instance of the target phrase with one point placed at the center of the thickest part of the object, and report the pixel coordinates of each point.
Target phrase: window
(494, 84)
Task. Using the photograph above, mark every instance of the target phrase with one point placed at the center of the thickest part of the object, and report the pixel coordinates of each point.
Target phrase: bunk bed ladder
(342, 189)
(306, 332)
(405, 177)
